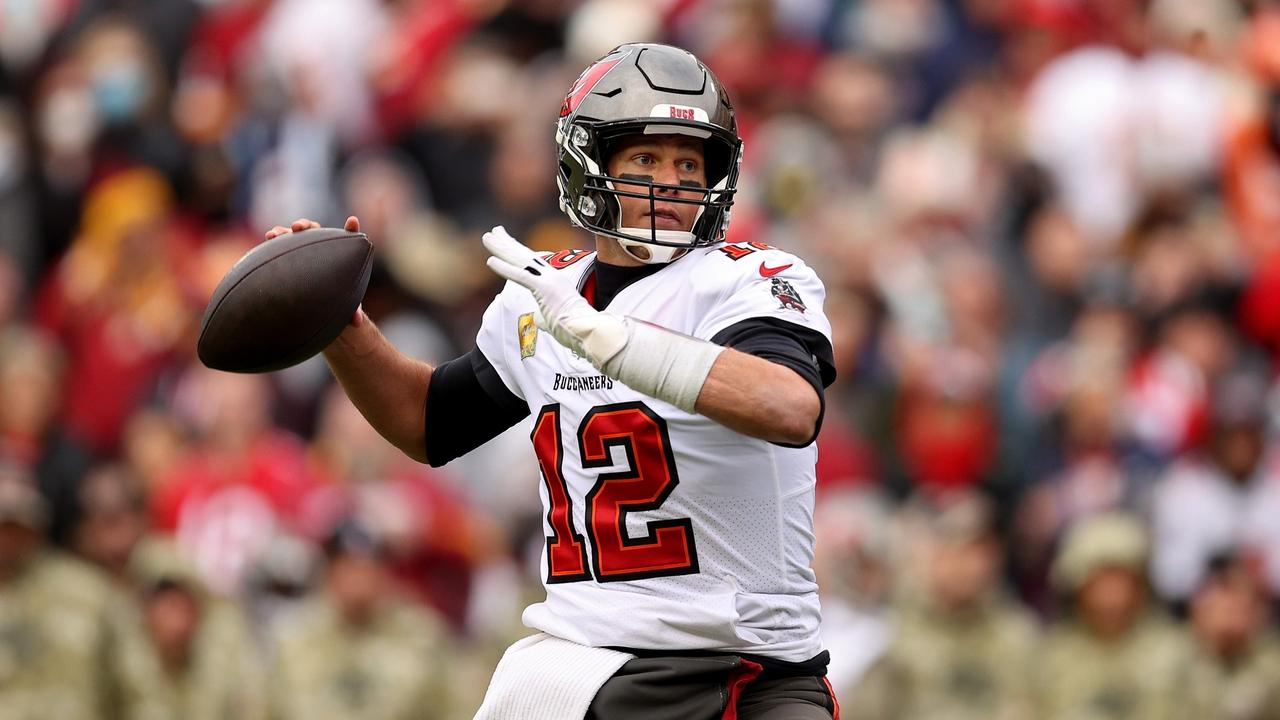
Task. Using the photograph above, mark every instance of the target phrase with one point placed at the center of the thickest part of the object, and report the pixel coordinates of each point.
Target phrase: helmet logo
(586, 81)
(679, 112)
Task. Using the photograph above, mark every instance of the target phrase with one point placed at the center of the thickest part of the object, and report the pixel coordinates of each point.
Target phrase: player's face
(665, 159)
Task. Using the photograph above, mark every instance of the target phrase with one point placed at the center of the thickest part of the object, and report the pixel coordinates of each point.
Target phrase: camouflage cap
(158, 562)
(1113, 539)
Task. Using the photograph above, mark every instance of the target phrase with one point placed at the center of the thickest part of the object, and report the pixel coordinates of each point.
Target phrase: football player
(675, 384)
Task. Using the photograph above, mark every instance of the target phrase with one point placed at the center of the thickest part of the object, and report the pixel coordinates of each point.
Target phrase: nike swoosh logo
(770, 272)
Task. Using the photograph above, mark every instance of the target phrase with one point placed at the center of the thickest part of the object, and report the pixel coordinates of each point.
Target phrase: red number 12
(646, 482)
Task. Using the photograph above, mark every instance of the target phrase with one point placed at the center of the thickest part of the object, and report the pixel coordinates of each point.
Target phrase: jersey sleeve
(770, 304)
(768, 285)
(498, 340)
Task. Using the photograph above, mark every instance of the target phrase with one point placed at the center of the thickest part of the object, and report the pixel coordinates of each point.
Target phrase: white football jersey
(665, 529)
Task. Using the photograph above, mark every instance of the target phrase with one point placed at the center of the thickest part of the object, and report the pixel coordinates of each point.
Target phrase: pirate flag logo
(786, 295)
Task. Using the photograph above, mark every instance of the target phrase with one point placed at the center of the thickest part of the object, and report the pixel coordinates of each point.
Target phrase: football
(285, 300)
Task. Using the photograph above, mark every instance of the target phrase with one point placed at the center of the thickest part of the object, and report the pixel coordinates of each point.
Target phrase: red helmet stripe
(586, 81)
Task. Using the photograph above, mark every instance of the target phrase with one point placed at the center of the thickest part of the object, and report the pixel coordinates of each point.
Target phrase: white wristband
(663, 364)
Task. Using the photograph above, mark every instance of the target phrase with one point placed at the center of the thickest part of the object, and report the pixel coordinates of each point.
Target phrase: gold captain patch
(527, 332)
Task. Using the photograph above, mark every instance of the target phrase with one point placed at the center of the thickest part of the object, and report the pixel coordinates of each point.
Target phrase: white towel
(546, 678)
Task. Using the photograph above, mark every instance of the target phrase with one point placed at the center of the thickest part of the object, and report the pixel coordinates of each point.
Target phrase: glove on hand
(647, 358)
(564, 313)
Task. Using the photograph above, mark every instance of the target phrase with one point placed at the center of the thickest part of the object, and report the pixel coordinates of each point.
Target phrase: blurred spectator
(154, 442)
(115, 303)
(960, 650)
(601, 25)
(853, 562)
(112, 520)
(126, 80)
(20, 252)
(1167, 400)
(12, 290)
(359, 649)
(68, 645)
(1251, 177)
(432, 540)
(199, 641)
(1253, 150)
(846, 458)
(279, 584)
(946, 425)
(32, 384)
(1200, 506)
(1236, 672)
(25, 31)
(1112, 124)
(239, 485)
(1112, 655)
(325, 79)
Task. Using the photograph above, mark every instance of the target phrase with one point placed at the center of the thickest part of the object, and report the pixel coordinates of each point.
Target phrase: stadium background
(1049, 234)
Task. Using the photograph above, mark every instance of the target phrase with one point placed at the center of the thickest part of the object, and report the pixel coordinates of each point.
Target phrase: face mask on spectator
(120, 90)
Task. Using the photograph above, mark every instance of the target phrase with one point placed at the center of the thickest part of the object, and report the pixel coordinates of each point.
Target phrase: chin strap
(649, 253)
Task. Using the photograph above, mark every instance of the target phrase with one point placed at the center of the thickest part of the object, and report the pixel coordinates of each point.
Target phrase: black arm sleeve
(467, 406)
(803, 350)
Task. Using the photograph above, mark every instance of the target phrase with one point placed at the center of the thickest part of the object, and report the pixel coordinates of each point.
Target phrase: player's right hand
(564, 313)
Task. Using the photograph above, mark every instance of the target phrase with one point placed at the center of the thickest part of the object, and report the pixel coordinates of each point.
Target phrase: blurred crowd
(1049, 484)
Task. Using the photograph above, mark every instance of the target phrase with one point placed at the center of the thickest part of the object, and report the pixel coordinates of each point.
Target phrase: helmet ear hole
(608, 148)
(716, 156)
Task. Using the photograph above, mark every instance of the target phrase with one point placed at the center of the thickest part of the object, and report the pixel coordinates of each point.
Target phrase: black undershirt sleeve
(803, 350)
(467, 406)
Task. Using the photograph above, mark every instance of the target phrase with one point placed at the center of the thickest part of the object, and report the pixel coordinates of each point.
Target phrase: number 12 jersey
(664, 529)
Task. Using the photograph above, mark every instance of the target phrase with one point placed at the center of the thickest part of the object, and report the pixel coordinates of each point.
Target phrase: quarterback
(675, 385)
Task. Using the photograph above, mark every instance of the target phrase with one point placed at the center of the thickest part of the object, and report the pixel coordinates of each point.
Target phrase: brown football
(285, 300)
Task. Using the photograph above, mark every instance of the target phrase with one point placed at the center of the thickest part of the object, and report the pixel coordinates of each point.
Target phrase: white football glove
(565, 314)
(647, 358)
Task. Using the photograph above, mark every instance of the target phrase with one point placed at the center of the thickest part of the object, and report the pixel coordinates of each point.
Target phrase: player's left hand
(565, 314)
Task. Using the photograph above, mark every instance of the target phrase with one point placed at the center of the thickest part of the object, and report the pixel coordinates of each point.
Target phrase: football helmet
(653, 89)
